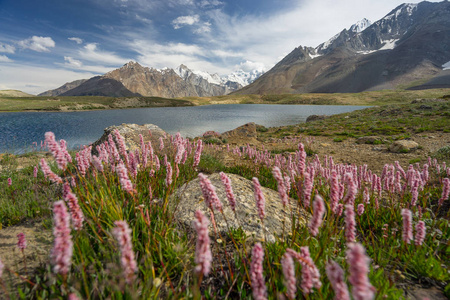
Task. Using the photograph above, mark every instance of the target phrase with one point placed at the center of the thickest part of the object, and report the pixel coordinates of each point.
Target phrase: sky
(46, 43)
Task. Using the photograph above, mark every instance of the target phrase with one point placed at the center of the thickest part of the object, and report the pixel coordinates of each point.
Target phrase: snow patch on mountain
(446, 66)
(360, 25)
(409, 7)
(388, 44)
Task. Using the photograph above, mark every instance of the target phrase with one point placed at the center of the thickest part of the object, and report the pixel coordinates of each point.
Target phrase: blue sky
(45, 43)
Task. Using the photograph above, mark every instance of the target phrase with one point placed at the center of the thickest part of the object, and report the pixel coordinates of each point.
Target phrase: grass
(84, 103)
(165, 253)
(396, 121)
(373, 98)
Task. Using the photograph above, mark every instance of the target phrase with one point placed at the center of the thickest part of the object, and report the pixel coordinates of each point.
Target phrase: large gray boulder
(190, 199)
(130, 133)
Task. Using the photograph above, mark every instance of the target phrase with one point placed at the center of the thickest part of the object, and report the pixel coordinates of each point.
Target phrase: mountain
(64, 88)
(100, 86)
(134, 79)
(410, 44)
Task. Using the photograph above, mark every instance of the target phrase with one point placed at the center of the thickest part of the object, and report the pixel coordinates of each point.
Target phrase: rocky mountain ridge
(410, 44)
(133, 79)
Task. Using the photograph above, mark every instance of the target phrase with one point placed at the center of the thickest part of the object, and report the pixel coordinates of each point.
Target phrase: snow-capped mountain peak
(360, 25)
(239, 76)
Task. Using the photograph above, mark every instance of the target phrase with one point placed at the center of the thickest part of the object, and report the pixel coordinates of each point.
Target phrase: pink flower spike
(360, 209)
(75, 211)
(310, 273)
(259, 198)
(420, 233)
(407, 234)
(228, 190)
(168, 174)
(122, 233)
(318, 212)
(209, 193)
(198, 153)
(203, 256)
(2, 266)
(259, 289)
(9, 181)
(61, 254)
(21, 241)
(359, 270)
(336, 276)
(281, 185)
(350, 223)
(445, 190)
(287, 263)
(35, 171)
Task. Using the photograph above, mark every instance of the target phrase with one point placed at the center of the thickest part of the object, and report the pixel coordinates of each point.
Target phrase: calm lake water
(20, 129)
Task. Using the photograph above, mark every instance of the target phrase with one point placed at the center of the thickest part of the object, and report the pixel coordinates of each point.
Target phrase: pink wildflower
(161, 144)
(350, 224)
(2, 266)
(209, 193)
(61, 254)
(359, 269)
(203, 257)
(310, 273)
(336, 276)
(168, 174)
(9, 181)
(120, 143)
(420, 233)
(21, 241)
(256, 273)
(75, 211)
(97, 163)
(307, 189)
(198, 153)
(352, 189)
(318, 211)
(49, 173)
(228, 190)
(122, 233)
(407, 234)
(281, 186)
(360, 209)
(180, 152)
(339, 209)
(287, 263)
(259, 198)
(73, 296)
(334, 191)
(35, 171)
(123, 178)
(445, 190)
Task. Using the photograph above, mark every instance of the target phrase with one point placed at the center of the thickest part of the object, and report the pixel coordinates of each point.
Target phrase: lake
(18, 130)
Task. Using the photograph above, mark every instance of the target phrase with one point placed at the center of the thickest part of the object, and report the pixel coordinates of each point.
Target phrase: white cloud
(7, 48)
(248, 66)
(185, 20)
(72, 62)
(204, 28)
(76, 40)
(204, 3)
(90, 52)
(38, 43)
(4, 58)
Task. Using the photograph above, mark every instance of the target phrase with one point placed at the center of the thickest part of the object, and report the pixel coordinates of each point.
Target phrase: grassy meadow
(374, 236)
(15, 102)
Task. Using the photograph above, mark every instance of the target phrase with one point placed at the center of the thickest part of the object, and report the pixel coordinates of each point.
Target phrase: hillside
(14, 93)
(410, 44)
